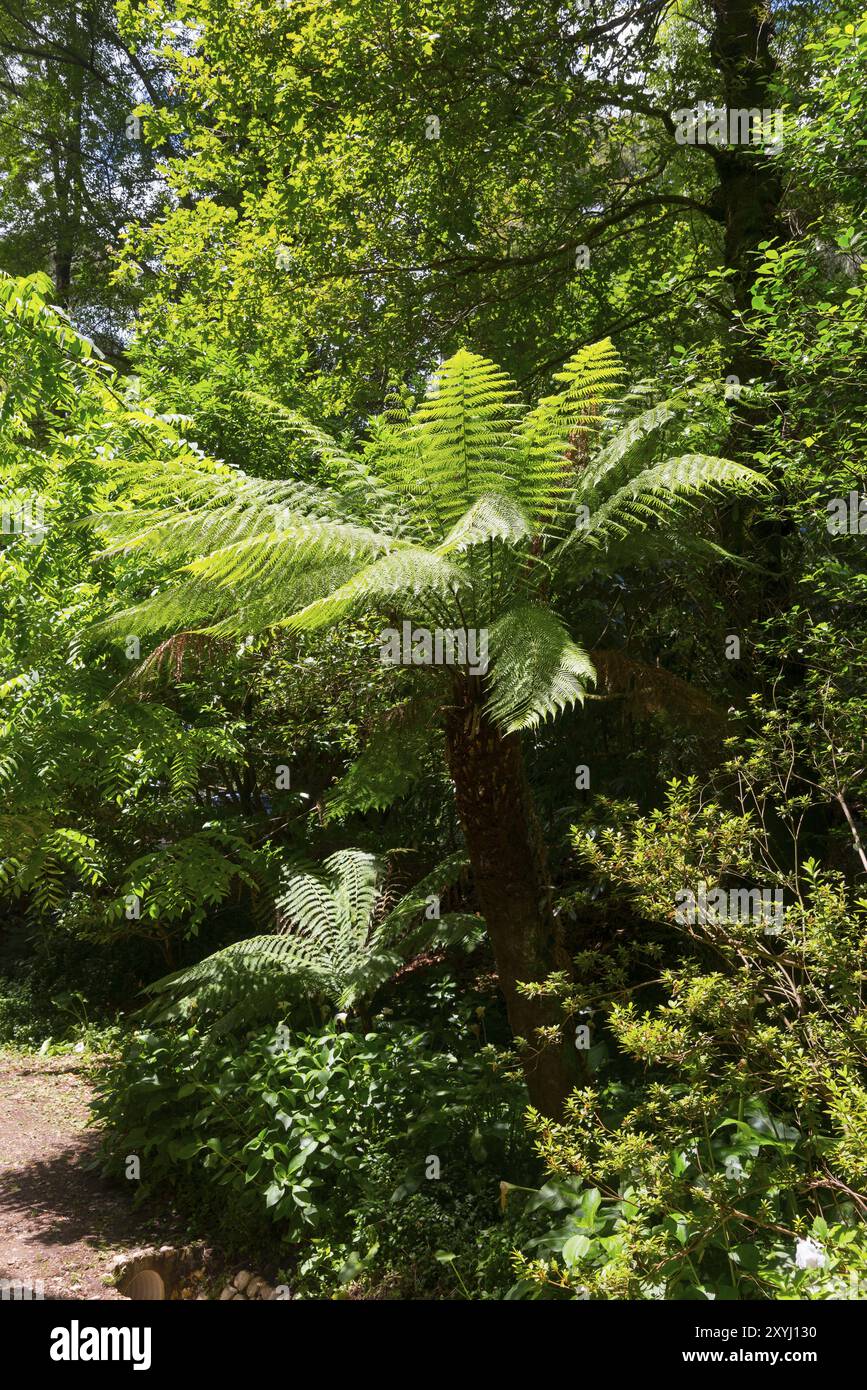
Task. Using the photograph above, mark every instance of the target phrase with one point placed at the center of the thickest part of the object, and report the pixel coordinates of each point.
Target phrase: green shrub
(367, 1154)
(672, 1238)
(24, 1020)
(723, 1120)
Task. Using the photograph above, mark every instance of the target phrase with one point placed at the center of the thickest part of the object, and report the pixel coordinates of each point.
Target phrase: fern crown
(468, 512)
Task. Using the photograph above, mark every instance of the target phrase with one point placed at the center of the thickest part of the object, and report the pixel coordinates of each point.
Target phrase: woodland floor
(59, 1221)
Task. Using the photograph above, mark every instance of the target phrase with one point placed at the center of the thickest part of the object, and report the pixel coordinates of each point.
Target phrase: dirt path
(59, 1221)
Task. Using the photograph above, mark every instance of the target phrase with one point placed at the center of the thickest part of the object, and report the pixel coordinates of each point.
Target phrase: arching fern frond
(633, 444)
(660, 492)
(391, 762)
(548, 432)
(331, 944)
(491, 517)
(537, 669)
(407, 575)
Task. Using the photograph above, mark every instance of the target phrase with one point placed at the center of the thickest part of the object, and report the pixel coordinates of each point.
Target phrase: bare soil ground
(60, 1222)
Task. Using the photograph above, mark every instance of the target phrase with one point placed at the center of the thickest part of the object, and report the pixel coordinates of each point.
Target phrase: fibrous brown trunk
(505, 847)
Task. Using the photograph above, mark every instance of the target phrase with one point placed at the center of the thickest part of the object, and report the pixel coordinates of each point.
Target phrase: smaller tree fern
(337, 940)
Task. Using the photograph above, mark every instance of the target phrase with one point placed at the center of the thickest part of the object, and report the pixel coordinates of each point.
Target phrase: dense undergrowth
(715, 1148)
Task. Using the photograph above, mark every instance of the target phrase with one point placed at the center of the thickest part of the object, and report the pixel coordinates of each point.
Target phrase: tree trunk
(505, 847)
(750, 188)
(68, 160)
(749, 195)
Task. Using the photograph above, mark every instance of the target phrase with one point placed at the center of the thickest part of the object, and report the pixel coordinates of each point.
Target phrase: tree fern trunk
(507, 855)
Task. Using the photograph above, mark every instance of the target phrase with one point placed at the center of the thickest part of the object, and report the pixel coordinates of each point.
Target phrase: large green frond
(270, 559)
(549, 432)
(640, 549)
(183, 515)
(250, 585)
(245, 981)
(306, 908)
(390, 764)
(491, 517)
(536, 669)
(358, 484)
(659, 493)
(354, 875)
(401, 580)
(228, 610)
(460, 442)
(630, 449)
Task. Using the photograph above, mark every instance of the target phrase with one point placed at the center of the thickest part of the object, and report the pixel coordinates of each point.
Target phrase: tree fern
(470, 528)
(476, 502)
(335, 942)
